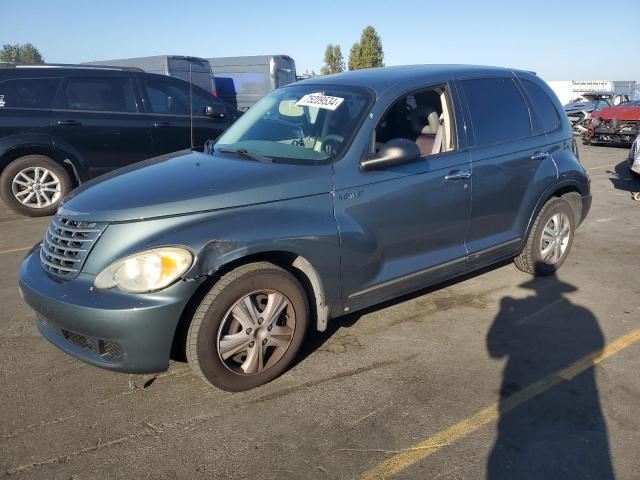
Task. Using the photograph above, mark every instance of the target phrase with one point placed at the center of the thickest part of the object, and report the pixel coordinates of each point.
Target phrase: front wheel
(248, 328)
(549, 240)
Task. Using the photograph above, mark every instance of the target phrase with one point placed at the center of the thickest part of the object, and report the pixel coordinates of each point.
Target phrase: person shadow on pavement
(561, 432)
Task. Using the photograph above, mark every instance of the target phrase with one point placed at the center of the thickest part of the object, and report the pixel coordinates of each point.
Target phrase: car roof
(381, 78)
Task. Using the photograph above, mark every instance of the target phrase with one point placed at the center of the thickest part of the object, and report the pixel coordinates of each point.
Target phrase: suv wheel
(248, 328)
(33, 185)
(549, 240)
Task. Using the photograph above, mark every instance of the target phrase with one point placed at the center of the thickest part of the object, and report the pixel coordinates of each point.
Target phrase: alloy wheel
(555, 238)
(256, 332)
(36, 187)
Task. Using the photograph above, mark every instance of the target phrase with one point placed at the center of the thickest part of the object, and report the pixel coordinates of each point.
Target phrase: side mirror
(396, 151)
(214, 110)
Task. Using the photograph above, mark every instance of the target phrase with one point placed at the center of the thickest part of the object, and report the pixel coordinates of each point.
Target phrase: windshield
(301, 123)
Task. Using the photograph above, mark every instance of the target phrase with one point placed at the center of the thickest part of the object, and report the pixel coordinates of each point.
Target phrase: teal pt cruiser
(328, 196)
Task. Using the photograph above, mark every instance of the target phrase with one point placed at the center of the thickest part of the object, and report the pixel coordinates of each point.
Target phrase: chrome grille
(66, 246)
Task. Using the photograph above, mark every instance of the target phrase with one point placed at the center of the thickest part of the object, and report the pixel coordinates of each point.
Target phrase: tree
(25, 53)
(333, 60)
(367, 53)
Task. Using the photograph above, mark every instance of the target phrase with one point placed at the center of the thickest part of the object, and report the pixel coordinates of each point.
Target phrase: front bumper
(110, 329)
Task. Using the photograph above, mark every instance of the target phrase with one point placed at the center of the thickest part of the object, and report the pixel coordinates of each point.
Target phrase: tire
(15, 185)
(213, 322)
(532, 260)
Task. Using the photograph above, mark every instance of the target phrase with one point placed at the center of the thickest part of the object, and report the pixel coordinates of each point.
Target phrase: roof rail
(69, 65)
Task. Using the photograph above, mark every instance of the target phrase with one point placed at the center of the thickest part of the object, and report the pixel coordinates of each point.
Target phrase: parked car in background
(616, 124)
(61, 125)
(634, 157)
(242, 81)
(191, 69)
(580, 110)
(328, 196)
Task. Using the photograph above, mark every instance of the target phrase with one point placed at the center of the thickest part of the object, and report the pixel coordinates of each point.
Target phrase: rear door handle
(69, 123)
(458, 175)
(540, 156)
(161, 124)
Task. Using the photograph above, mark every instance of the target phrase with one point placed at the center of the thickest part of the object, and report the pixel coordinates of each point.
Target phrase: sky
(560, 40)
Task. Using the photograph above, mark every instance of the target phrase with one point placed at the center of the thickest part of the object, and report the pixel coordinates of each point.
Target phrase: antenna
(190, 100)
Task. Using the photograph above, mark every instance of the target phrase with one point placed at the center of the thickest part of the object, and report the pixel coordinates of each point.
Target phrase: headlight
(146, 271)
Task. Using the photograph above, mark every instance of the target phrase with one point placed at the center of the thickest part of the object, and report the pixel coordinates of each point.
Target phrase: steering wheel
(331, 143)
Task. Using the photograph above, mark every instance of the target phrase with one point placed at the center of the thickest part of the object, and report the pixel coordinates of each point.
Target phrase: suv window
(498, 110)
(102, 94)
(542, 104)
(167, 97)
(28, 92)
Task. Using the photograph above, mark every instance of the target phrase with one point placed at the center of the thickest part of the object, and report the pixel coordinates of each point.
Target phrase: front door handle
(458, 175)
(69, 123)
(540, 156)
(161, 124)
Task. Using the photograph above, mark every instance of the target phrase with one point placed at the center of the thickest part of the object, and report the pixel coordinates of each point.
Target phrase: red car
(618, 124)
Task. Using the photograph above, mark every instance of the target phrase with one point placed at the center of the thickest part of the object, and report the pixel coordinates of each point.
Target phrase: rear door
(511, 166)
(168, 112)
(97, 118)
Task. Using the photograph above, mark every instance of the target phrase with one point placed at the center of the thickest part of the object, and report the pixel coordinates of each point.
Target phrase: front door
(168, 113)
(403, 227)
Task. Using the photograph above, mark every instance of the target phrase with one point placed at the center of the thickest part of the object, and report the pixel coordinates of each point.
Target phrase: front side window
(113, 94)
(167, 97)
(424, 118)
(547, 115)
(28, 92)
(498, 111)
(300, 123)
(203, 100)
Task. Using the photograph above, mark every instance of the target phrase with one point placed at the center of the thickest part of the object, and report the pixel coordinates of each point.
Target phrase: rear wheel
(248, 328)
(34, 185)
(549, 240)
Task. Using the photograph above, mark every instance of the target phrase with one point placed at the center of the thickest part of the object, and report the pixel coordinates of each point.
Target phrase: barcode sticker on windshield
(319, 100)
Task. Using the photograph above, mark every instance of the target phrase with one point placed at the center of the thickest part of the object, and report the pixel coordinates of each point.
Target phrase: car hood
(620, 112)
(189, 182)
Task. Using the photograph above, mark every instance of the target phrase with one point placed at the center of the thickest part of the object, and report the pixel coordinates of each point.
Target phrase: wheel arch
(570, 191)
(66, 161)
(296, 264)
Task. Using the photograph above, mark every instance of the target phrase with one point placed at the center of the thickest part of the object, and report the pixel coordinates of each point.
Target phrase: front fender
(302, 227)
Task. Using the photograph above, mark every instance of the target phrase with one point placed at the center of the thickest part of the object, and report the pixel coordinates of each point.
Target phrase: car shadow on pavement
(623, 179)
(561, 432)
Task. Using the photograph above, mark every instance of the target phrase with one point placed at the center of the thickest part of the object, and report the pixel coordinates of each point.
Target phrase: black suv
(61, 125)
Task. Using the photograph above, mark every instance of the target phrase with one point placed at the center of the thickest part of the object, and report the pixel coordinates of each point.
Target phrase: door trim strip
(473, 256)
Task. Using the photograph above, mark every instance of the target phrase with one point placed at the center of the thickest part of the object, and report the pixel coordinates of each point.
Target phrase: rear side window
(547, 114)
(100, 94)
(498, 110)
(167, 97)
(28, 92)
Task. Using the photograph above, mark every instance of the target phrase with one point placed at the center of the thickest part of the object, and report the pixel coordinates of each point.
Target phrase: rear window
(100, 94)
(548, 117)
(498, 110)
(28, 92)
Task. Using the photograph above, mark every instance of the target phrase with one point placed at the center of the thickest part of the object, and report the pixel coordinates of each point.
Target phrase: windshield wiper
(246, 153)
